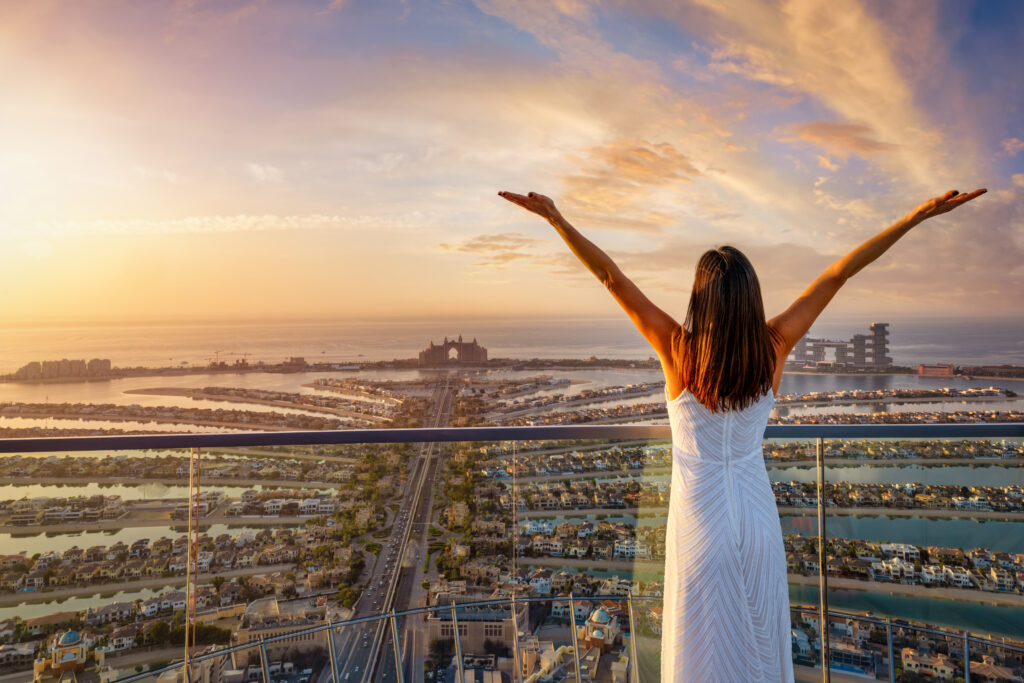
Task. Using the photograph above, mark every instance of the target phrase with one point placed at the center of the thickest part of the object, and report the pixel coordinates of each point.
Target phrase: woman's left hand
(535, 203)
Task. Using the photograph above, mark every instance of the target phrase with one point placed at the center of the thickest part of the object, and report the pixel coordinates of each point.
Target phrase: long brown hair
(724, 350)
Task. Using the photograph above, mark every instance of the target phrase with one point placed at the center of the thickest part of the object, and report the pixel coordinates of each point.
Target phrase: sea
(964, 341)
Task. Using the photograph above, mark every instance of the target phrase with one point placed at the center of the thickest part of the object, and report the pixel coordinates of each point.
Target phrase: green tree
(158, 633)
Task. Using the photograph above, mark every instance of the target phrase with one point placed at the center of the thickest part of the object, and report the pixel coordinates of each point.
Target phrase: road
(365, 652)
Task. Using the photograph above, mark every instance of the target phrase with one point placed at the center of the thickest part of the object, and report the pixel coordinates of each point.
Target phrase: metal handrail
(445, 434)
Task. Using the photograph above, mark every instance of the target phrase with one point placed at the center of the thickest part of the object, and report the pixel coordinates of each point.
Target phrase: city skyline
(324, 160)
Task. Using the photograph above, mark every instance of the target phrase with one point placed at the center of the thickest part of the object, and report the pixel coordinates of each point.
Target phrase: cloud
(497, 249)
(616, 180)
(239, 223)
(840, 139)
(334, 6)
(264, 173)
(842, 57)
(827, 163)
(1013, 145)
(1018, 179)
(163, 174)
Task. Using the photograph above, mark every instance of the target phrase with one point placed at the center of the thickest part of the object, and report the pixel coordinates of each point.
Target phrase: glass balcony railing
(517, 553)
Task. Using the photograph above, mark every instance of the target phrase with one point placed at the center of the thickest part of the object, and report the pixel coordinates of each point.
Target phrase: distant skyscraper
(867, 351)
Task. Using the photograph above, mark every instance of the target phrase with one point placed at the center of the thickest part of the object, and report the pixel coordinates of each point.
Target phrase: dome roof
(600, 616)
(69, 638)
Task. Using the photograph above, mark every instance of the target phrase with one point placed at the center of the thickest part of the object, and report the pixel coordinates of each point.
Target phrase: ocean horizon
(963, 341)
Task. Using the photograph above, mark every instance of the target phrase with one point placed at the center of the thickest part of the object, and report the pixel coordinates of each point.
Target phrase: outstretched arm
(794, 322)
(654, 324)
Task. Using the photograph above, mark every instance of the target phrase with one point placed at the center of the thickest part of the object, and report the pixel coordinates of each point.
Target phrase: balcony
(449, 490)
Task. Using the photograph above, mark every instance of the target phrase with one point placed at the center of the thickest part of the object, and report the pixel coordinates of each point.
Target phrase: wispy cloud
(239, 223)
(840, 139)
(264, 173)
(497, 249)
(1013, 146)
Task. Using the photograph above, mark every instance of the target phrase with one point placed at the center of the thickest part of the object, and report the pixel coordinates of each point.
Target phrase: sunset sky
(340, 159)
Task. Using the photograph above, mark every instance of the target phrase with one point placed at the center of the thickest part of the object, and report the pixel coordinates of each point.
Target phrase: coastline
(791, 510)
(834, 583)
(59, 594)
(199, 394)
(150, 521)
(169, 481)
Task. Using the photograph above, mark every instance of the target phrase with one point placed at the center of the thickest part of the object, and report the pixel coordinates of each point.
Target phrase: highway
(365, 652)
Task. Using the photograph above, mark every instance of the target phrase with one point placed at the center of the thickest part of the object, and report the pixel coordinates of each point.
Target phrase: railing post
(458, 646)
(264, 666)
(575, 641)
(399, 672)
(518, 678)
(633, 665)
(515, 518)
(191, 559)
(967, 657)
(822, 562)
(888, 638)
(332, 653)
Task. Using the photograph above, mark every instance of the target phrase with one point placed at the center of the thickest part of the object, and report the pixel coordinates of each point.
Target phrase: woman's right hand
(534, 202)
(947, 202)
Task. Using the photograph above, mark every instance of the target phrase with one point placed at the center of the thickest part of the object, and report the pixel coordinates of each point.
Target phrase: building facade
(465, 352)
(478, 625)
(862, 351)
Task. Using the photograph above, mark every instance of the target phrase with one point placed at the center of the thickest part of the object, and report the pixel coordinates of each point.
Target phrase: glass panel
(924, 652)
(928, 531)
(993, 660)
(590, 521)
(353, 647)
(292, 537)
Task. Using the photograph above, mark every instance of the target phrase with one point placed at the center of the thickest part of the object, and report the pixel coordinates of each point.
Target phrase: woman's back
(719, 436)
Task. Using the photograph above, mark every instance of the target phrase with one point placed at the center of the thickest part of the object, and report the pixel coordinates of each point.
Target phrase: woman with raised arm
(726, 609)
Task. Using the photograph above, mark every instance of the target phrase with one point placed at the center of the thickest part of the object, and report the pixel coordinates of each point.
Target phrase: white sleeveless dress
(726, 610)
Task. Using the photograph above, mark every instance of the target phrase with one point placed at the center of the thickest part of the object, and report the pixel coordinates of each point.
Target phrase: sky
(333, 159)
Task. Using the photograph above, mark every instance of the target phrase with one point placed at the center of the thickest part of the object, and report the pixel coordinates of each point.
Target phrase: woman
(726, 611)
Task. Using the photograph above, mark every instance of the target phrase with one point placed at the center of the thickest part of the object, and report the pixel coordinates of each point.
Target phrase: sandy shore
(143, 419)
(10, 599)
(834, 583)
(789, 510)
(853, 462)
(200, 394)
(139, 481)
(908, 512)
(150, 518)
(519, 412)
(946, 593)
(796, 403)
(831, 462)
